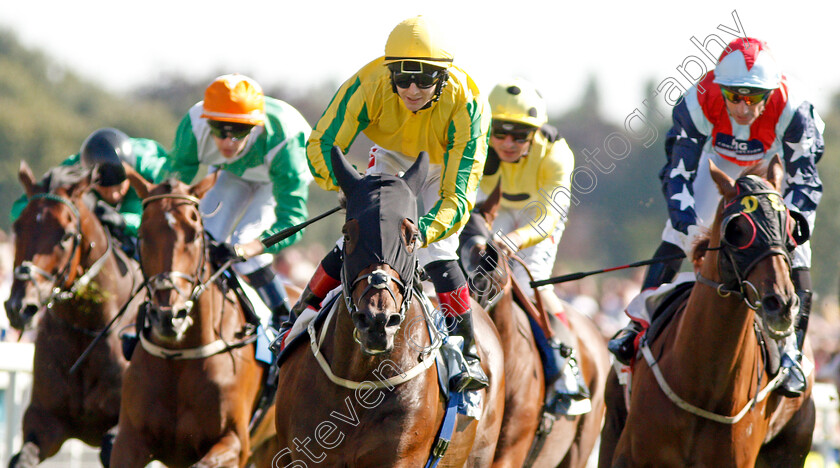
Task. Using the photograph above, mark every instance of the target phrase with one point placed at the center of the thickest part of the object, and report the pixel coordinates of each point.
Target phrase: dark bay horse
(193, 384)
(720, 410)
(67, 265)
(370, 396)
(571, 439)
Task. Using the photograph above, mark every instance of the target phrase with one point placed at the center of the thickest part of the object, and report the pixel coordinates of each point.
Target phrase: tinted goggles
(232, 130)
(751, 99)
(422, 80)
(519, 135)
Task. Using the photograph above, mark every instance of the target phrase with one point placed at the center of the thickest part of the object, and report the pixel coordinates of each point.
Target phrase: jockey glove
(221, 252)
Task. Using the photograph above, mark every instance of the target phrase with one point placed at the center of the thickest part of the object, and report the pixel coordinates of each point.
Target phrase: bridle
(733, 264)
(377, 279)
(65, 284)
(164, 281)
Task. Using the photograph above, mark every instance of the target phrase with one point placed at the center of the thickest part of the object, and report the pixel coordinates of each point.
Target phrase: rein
(428, 358)
(723, 419)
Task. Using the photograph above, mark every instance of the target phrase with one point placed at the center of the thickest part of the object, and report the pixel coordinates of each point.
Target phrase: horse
(702, 395)
(194, 383)
(569, 440)
(67, 265)
(367, 392)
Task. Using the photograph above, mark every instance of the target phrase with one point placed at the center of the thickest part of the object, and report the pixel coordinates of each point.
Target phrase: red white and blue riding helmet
(748, 63)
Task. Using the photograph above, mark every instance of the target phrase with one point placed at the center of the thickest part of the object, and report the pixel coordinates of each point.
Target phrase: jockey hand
(694, 233)
(249, 249)
(508, 243)
(221, 252)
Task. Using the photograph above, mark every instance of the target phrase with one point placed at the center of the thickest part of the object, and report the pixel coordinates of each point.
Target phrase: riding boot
(796, 381)
(623, 344)
(273, 293)
(473, 376)
(663, 272)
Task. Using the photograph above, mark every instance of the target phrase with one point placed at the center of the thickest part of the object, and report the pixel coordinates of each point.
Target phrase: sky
(557, 45)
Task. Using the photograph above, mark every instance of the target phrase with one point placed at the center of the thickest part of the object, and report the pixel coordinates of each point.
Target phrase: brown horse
(193, 384)
(369, 395)
(67, 264)
(720, 410)
(571, 439)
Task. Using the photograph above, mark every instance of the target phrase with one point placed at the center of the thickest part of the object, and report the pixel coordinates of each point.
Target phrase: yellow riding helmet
(234, 98)
(418, 40)
(518, 101)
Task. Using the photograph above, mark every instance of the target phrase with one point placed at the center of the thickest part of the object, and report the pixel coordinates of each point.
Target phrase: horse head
(54, 234)
(479, 256)
(380, 240)
(173, 251)
(755, 235)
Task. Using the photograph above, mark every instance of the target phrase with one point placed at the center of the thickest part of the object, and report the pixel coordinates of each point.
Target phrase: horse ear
(490, 208)
(27, 179)
(345, 173)
(137, 182)
(775, 172)
(416, 174)
(201, 187)
(726, 185)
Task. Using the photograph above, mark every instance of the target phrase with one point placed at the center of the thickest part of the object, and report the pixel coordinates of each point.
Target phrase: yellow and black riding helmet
(517, 102)
(103, 152)
(416, 45)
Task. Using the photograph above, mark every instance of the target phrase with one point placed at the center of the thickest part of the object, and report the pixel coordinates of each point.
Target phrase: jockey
(256, 146)
(739, 114)
(410, 100)
(118, 205)
(529, 158)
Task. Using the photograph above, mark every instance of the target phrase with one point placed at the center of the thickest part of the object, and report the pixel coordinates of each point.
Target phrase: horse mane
(62, 177)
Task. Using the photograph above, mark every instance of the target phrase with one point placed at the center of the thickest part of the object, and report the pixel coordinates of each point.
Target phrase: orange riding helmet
(234, 98)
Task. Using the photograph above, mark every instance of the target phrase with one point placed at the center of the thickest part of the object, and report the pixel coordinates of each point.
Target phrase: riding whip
(584, 274)
(288, 232)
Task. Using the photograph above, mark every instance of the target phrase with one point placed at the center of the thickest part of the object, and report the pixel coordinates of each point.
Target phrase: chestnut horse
(67, 264)
(571, 439)
(366, 392)
(720, 409)
(193, 384)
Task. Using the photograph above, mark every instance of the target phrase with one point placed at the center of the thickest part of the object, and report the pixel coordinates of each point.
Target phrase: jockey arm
(463, 165)
(803, 146)
(683, 147)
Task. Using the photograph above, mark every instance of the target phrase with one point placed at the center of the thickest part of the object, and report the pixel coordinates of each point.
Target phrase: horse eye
(67, 237)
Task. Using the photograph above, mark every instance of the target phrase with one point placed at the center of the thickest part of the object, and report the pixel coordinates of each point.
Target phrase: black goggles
(224, 130)
(519, 135)
(422, 80)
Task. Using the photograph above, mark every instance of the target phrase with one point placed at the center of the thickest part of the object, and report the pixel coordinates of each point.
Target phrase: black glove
(109, 216)
(221, 252)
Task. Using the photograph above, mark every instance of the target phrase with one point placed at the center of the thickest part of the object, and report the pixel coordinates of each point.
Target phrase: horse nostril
(361, 320)
(771, 303)
(393, 321)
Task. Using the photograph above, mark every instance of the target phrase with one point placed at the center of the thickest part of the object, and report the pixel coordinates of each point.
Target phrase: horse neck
(345, 355)
(716, 333)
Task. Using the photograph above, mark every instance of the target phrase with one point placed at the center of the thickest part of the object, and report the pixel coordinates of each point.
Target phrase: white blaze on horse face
(38, 217)
(170, 219)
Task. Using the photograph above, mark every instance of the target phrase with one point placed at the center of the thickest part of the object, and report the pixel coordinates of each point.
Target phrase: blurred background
(69, 68)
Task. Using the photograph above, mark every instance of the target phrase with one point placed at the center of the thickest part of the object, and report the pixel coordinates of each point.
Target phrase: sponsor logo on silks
(740, 152)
